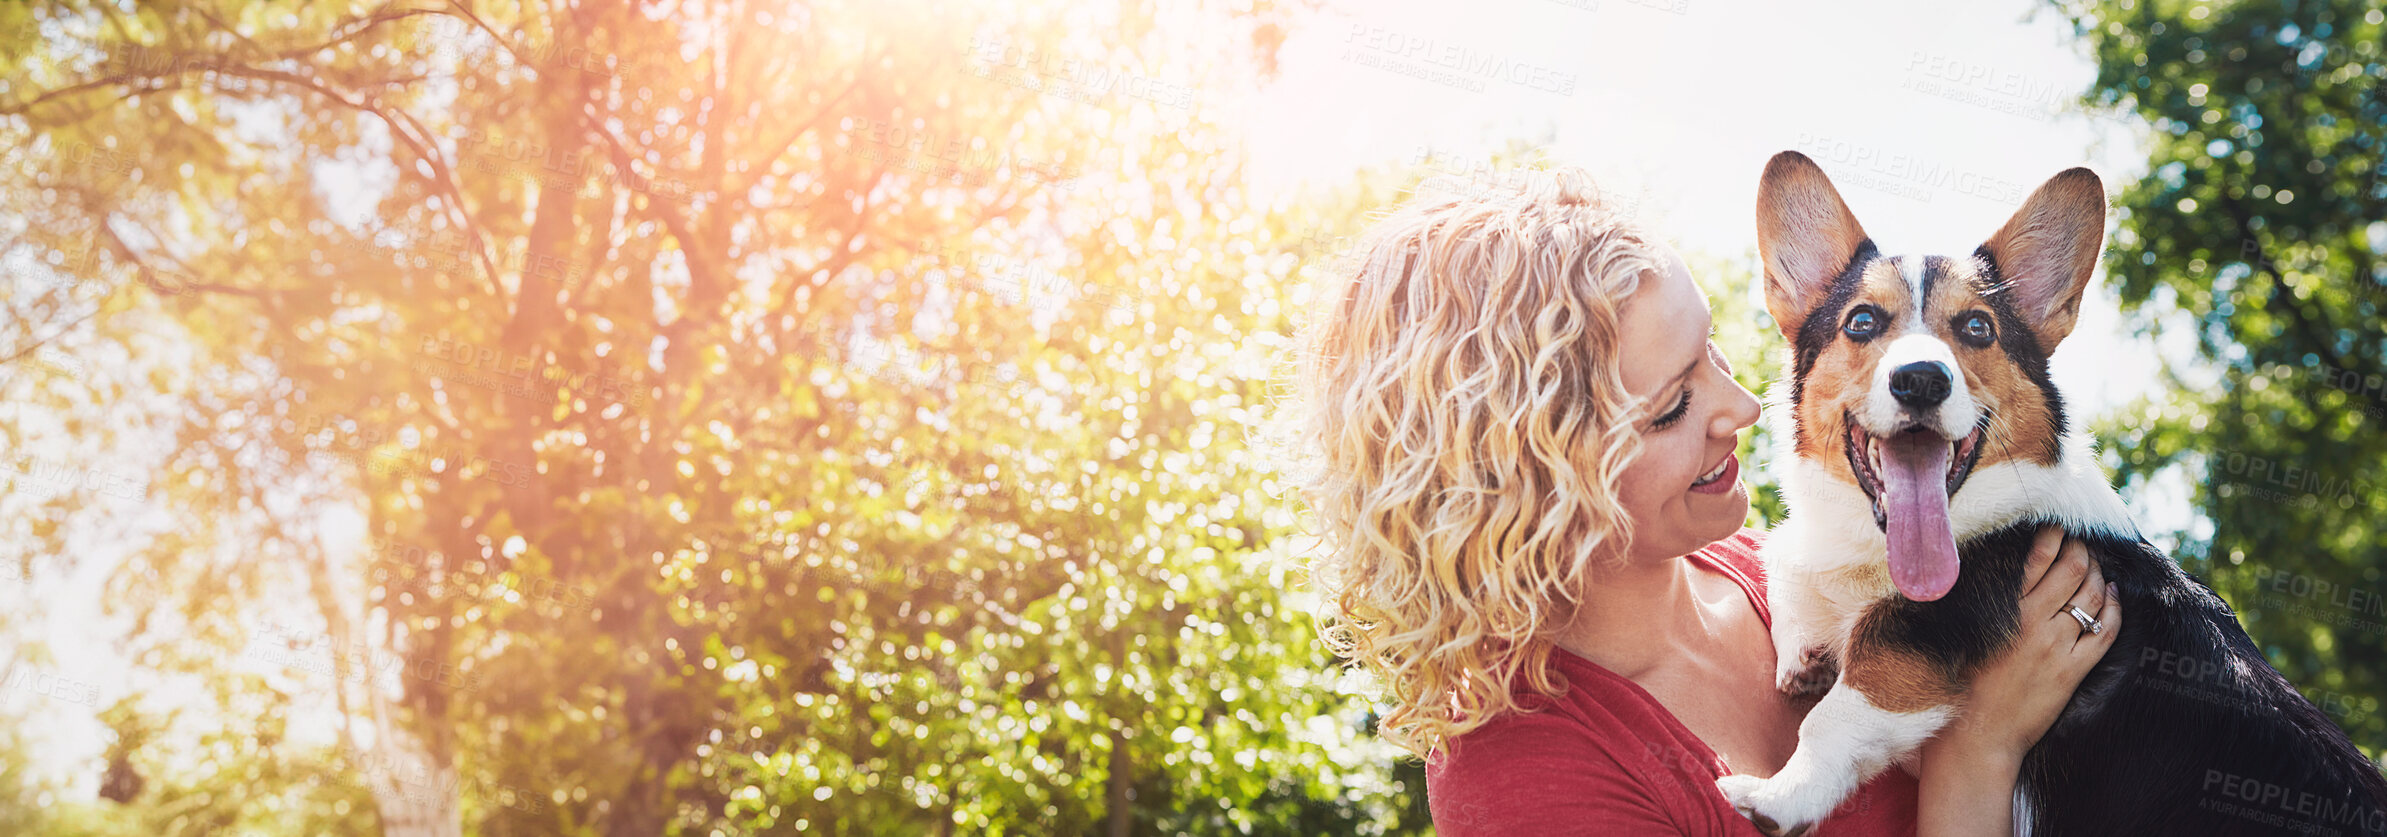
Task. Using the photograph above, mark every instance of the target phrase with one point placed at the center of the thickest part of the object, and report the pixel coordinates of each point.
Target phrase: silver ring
(2087, 623)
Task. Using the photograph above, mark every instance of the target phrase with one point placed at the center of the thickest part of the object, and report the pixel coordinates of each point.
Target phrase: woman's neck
(1638, 617)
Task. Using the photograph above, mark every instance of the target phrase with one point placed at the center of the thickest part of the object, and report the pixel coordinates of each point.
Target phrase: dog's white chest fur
(1829, 560)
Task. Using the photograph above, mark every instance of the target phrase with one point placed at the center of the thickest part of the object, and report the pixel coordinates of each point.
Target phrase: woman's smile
(1721, 479)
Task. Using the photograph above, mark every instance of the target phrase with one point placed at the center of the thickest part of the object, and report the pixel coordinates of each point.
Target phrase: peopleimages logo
(1448, 63)
(317, 654)
(2269, 801)
(1906, 175)
(2307, 587)
(49, 477)
(2369, 392)
(2300, 595)
(1068, 76)
(968, 159)
(1982, 85)
(528, 374)
(50, 685)
(2278, 480)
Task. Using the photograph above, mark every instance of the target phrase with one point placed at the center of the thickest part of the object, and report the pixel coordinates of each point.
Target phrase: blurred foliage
(2258, 229)
(1753, 344)
(682, 418)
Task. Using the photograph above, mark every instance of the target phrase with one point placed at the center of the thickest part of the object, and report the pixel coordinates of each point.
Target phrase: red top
(1606, 759)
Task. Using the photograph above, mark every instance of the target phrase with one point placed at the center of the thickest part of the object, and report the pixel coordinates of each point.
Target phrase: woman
(1524, 471)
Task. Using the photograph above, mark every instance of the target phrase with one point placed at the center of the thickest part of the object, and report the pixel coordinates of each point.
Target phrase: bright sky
(1934, 119)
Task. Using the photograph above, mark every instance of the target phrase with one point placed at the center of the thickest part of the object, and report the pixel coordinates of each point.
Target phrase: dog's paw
(1755, 799)
(1811, 673)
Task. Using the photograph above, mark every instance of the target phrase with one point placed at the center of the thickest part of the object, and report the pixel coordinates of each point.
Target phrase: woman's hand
(1968, 770)
(2017, 695)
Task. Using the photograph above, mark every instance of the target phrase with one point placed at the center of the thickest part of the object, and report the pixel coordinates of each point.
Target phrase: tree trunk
(1122, 781)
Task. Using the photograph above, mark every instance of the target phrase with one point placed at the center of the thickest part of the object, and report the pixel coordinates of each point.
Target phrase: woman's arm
(1966, 783)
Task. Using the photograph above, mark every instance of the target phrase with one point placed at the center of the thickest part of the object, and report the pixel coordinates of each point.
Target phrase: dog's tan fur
(1895, 680)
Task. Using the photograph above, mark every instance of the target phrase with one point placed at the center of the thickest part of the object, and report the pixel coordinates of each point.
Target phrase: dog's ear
(2046, 252)
(1805, 235)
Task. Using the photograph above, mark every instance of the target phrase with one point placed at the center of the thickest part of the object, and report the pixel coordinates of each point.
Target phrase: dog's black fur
(2182, 729)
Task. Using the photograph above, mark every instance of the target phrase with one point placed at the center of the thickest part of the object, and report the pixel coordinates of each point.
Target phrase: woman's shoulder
(1573, 721)
(1593, 754)
(1740, 551)
(1738, 557)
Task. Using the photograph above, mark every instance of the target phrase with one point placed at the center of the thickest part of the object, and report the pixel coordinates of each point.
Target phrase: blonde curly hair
(1466, 421)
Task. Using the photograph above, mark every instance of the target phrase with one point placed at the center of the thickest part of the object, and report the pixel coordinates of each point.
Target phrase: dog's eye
(1863, 323)
(1975, 329)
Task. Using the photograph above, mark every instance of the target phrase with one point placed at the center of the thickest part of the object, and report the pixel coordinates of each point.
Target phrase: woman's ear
(1805, 235)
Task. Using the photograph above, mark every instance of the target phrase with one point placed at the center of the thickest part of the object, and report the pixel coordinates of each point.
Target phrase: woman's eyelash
(1680, 407)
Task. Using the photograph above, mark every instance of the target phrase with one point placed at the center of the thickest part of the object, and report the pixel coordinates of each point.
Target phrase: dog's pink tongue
(1915, 499)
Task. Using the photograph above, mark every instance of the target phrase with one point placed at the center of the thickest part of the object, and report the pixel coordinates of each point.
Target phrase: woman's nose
(1740, 413)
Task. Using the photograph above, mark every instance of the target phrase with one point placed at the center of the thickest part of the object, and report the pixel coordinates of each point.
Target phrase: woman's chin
(1722, 515)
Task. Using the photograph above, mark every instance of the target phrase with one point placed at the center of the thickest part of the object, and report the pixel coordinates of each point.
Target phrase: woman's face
(1685, 491)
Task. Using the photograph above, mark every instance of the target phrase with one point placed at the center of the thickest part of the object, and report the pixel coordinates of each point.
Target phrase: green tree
(634, 418)
(2259, 228)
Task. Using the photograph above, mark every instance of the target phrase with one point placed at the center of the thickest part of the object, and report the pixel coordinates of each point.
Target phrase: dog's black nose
(1923, 383)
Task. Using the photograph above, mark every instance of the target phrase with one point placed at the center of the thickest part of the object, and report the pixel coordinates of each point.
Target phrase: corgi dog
(1924, 446)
